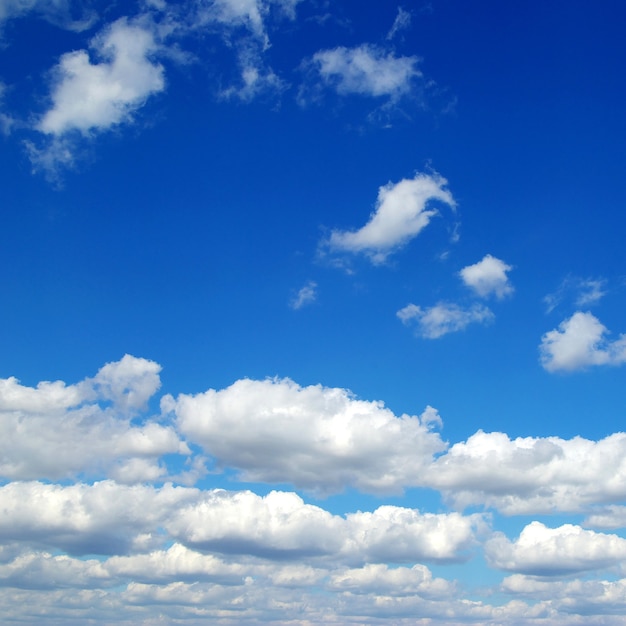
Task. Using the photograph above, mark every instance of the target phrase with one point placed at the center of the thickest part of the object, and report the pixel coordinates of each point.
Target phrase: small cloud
(402, 212)
(580, 342)
(90, 96)
(307, 295)
(366, 70)
(591, 291)
(402, 22)
(488, 277)
(444, 318)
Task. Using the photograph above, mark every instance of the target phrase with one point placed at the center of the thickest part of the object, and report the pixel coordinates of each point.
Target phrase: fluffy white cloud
(103, 518)
(90, 96)
(532, 475)
(366, 70)
(488, 277)
(306, 295)
(380, 579)
(402, 212)
(606, 599)
(316, 438)
(580, 342)
(34, 570)
(544, 551)
(443, 318)
(56, 430)
(280, 526)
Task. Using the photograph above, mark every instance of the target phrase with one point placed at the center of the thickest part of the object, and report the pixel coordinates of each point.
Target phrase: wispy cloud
(443, 318)
(305, 296)
(402, 22)
(366, 70)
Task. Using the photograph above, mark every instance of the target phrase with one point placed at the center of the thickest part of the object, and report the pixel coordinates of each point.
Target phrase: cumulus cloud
(488, 277)
(580, 342)
(380, 579)
(530, 475)
(366, 70)
(402, 211)
(306, 295)
(103, 518)
(90, 96)
(443, 318)
(316, 438)
(281, 526)
(56, 430)
(543, 551)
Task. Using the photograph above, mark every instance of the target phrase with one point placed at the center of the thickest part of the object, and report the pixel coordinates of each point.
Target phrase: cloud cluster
(276, 556)
(485, 278)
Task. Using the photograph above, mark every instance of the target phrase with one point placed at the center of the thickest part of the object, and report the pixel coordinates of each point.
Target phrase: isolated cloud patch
(580, 342)
(443, 318)
(543, 551)
(305, 296)
(316, 438)
(402, 211)
(366, 70)
(90, 96)
(488, 277)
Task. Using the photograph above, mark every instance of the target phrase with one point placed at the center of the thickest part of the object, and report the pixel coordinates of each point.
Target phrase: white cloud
(590, 291)
(58, 12)
(580, 342)
(488, 277)
(366, 70)
(612, 516)
(90, 96)
(531, 475)
(402, 22)
(306, 295)
(544, 551)
(583, 292)
(281, 526)
(56, 430)
(380, 579)
(103, 518)
(443, 318)
(316, 438)
(402, 212)
(595, 601)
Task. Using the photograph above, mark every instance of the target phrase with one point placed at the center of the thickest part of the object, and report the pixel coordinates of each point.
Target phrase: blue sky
(312, 312)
